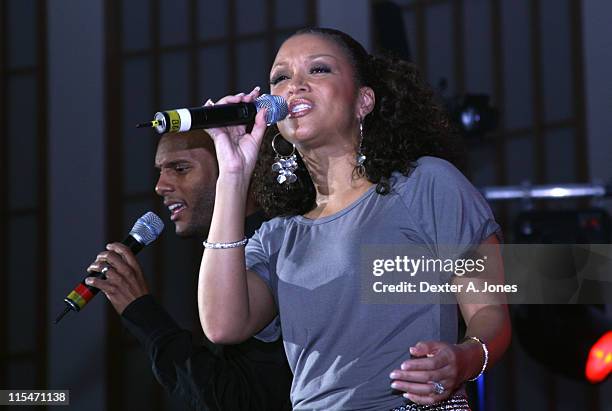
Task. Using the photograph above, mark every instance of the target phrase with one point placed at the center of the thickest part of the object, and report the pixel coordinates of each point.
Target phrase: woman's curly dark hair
(405, 124)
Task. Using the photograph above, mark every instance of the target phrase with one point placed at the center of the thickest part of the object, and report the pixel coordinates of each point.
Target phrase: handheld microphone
(185, 119)
(146, 229)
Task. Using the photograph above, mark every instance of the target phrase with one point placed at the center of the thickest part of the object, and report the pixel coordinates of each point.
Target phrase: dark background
(76, 76)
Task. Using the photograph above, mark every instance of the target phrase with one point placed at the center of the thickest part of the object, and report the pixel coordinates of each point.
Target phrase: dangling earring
(285, 165)
(360, 158)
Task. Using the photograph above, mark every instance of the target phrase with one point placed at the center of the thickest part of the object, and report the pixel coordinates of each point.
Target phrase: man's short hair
(189, 140)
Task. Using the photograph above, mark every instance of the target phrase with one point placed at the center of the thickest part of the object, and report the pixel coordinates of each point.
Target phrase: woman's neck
(336, 185)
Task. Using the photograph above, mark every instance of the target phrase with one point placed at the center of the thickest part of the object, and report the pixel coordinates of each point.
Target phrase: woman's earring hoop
(284, 165)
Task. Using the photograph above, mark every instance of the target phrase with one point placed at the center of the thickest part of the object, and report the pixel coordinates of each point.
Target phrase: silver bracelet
(486, 356)
(217, 246)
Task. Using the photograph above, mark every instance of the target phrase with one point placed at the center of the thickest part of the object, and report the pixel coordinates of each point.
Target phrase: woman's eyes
(313, 70)
(277, 80)
(320, 69)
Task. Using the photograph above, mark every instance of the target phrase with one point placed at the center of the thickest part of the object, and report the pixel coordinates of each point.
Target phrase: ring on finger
(438, 388)
(105, 269)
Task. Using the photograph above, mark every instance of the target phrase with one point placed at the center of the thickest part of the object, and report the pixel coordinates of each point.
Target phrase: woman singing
(371, 168)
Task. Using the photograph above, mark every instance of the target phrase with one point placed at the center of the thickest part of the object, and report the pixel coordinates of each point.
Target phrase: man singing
(250, 376)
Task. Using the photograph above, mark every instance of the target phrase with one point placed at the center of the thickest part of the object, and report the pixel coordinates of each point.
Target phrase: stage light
(574, 340)
(599, 362)
(470, 118)
(474, 114)
(567, 339)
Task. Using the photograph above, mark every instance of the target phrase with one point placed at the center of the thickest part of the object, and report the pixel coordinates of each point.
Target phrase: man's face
(187, 181)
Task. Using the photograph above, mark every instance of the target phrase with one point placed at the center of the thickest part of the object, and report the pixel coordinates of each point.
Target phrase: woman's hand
(236, 149)
(447, 364)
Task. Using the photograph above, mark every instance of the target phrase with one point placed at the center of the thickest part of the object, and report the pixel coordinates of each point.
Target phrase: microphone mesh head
(147, 228)
(276, 107)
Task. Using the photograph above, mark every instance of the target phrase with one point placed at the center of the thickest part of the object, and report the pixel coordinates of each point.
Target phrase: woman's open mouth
(299, 108)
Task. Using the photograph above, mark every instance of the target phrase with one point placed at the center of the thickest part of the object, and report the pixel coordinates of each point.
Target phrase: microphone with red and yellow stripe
(146, 230)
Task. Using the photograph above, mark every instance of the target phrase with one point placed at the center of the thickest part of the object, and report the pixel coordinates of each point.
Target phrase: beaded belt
(454, 403)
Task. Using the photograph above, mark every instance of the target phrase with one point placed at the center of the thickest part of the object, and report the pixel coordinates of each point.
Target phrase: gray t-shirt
(341, 350)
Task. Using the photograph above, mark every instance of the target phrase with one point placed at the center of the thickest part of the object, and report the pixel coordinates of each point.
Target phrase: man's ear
(367, 99)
